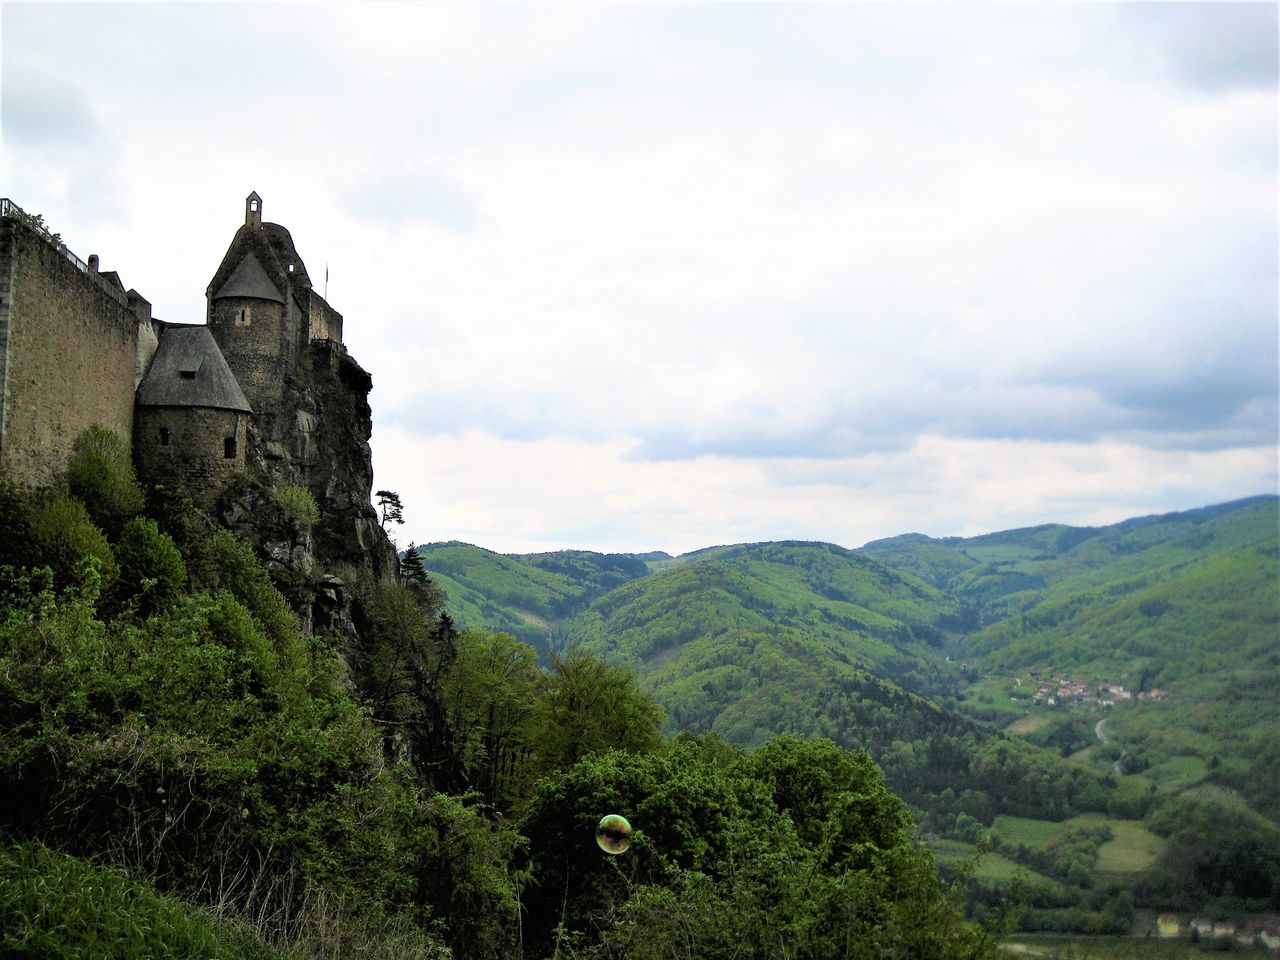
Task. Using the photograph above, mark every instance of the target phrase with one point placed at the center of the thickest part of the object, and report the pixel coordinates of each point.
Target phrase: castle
(77, 348)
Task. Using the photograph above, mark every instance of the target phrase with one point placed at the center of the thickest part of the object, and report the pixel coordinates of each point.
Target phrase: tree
(586, 706)
(390, 507)
(414, 576)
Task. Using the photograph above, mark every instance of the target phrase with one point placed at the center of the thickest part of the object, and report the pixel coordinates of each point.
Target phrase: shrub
(297, 507)
(16, 512)
(64, 536)
(53, 905)
(101, 475)
(238, 570)
(151, 568)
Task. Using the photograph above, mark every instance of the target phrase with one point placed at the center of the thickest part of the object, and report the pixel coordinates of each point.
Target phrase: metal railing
(11, 210)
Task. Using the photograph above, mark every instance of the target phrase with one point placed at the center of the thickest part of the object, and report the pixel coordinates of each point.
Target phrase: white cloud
(710, 241)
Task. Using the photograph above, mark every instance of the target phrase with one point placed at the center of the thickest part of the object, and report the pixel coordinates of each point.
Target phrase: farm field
(1131, 849)
(991, 866)
(1052, 947)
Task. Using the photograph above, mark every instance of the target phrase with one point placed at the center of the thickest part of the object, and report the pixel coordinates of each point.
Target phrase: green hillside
(525, 595)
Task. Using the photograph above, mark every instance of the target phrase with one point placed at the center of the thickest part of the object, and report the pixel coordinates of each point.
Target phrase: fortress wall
(70, 354)
(326, 322)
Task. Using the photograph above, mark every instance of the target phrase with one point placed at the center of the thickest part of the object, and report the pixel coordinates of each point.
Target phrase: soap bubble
(613, 834)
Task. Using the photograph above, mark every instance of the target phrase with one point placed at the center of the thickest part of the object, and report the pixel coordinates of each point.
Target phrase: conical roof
(188, 370)
(249, 279)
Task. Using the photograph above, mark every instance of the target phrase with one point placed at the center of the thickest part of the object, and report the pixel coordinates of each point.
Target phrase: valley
(1057, 705)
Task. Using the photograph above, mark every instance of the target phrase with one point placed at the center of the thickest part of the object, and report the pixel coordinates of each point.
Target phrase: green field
(1115, 948)
(1178, 773)
(1131, 849)
(1024, 831)
(991, 866)
(1029, 724)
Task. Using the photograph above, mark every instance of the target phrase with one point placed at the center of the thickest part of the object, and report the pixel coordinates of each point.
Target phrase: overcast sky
(644, 277)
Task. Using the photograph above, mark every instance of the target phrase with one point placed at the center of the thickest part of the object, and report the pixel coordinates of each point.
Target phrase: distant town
(1061, 688)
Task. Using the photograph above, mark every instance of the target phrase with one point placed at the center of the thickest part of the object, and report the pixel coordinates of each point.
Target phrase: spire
(253, 210)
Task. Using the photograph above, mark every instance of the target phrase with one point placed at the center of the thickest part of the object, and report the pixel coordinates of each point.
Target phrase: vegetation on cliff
(169, 738)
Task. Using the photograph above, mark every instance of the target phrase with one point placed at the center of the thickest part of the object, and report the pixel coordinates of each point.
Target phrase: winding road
(1101, 732)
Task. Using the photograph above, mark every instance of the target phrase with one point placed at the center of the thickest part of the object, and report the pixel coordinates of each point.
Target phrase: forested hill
(1000, 574)
(943, 657)
(888, 642)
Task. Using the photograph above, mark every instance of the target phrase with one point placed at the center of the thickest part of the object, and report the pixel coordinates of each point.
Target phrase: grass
(1053, 947)
(1024, 831)
(1131, 849)
(1029, 724)
(1178, 773)
(992, 867)
(53, 905)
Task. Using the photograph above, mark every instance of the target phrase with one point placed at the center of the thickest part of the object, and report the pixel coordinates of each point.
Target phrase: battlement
(11, 211)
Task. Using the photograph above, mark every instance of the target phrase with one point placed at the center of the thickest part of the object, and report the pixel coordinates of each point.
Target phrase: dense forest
(184, 772)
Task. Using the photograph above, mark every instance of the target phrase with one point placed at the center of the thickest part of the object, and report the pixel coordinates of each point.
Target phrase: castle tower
(191, 416)
(258, 306)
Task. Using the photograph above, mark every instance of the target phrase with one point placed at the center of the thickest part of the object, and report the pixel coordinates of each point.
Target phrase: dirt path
(1101, 732)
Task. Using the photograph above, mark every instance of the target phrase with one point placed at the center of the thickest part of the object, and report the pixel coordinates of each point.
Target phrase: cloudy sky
(639, 276)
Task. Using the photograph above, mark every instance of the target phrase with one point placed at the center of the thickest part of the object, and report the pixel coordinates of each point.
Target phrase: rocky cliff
(316, 438)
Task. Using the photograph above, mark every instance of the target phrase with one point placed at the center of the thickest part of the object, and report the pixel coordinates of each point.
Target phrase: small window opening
(164, 436)
(229, 448)
(242, 320)
(187, 374)
(291, 268)
(253, 205)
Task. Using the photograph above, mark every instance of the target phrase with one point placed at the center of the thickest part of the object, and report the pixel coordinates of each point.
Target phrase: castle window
(291, 268)
(242, 318)
(253, 205)
(164, 436)
(187, 374)
(229, 448)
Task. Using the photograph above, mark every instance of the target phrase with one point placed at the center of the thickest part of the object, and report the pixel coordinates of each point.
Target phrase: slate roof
(249, 279)
(210, 382)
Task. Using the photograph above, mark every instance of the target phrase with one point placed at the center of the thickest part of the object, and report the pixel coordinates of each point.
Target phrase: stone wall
(188, 446)
(325, 322)
(252, 335)
(69, 352)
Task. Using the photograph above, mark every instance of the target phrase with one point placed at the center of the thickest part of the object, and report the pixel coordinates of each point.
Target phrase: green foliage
(1217, 848)
(17, 518)
(586, 706)
(525, 596)
(65, 539)
(152, 573)
(237, 570)
(466, 875)
(53, 905)
(490, 692)
(717, 869)
(101, 475)
(297, 508)
(407, 647)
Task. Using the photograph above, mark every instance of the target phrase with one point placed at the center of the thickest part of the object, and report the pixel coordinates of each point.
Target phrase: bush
(297, 508)
(151, 568)
(64, 537)
(53, 905)
(16, 513)
(101, 475)
(236, 569)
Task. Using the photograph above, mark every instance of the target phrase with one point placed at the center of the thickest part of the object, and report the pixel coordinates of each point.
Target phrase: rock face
(317, 438)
